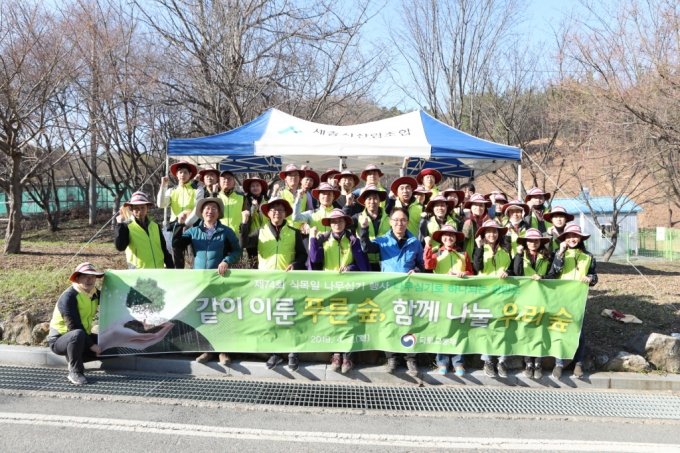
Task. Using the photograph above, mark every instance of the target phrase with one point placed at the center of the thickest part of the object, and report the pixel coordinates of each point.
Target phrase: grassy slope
(30, 282)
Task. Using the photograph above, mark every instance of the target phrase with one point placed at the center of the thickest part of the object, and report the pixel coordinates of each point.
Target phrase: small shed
(604, 207)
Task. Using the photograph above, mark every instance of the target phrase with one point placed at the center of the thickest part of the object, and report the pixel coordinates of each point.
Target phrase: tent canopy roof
(277, 139)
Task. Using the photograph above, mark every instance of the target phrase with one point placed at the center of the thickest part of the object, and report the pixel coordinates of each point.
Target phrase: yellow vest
(541, 266)
(182, 198)
(383, 228)
(257, 219)
(287, 195)
(233, 206)
(502, 261)
(337, 254)
(415, 210)
(433, 226)
(571, 258)
(319, 214)
(86, 308)
(448, 260)
(273, 255)
(144, 250)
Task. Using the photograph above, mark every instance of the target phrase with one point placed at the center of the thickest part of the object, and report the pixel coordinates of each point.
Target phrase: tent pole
(167, 173)
(342, 163)
(519, 181)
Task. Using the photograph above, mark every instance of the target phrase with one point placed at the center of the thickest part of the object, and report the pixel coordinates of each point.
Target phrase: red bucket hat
(336, 214)
(532, 233)
(311, 174)
(183, 163)
(249, 181)
(325, 187)
(347, 173)
(404, 180)
(448, 229)
(139, 198)
(369, 189)
(516, 204)
(536, 191)
(371, 167)
(283, 201)
(458, 193)
(558, 210)
(477, 198)
(429, 171)
(502, 231)
(328, 173)
(290, 169)
(572, 228)
(208, 170)
(85, 268)
(500, 196)
(439, 199)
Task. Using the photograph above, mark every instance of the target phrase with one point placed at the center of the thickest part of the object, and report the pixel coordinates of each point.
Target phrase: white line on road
(393, 440)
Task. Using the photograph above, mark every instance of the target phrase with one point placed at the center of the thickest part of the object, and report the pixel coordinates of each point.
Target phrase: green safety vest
(571, 257)
(337, 254)
(415, 210)
(86, 308)
(448, 260)
(514, 236)
(318, 215)
(233, 206)
(257, 219)
(502, 261)
(383, 228)
(273, 255)
(433, 226)
(182, 198)
(541, 265)
(534, 220)
(287, 195)
(144, 250)
(434, 190)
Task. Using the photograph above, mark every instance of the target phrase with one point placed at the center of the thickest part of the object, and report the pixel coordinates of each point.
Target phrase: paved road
(30, 422)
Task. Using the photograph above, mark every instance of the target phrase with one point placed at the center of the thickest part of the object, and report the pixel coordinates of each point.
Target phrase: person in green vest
(371, 199)
(477, 206)
(436, 215)
(533, 259)
(514, 212)
(140, 237)
(347, 181)
(329, 177)
(448, 259)
(422, 195)
(497, 199)
(338, 250)
(309, 180)
(429, 178)
(573, 262)
(234, 201)
(492, 257)
(536, 200)
(72, 320)
(457, 197)
(208, 179)
(181, 199)
(326, 194)
(402, 197)
(558, 217)
(256, 195)
(371, 175)
(291, 176)
(279, 248)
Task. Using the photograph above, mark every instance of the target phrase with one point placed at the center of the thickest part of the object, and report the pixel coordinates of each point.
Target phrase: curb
(318, 372)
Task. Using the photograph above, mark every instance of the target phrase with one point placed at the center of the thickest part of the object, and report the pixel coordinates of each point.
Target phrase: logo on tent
(290, 129)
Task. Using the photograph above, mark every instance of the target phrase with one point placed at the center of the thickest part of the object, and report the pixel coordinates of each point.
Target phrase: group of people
(329, 223)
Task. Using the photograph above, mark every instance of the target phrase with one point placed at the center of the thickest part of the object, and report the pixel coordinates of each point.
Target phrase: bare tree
(449, 48)
(35, 64)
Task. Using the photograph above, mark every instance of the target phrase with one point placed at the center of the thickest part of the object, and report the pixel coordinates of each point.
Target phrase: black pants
(72, 345)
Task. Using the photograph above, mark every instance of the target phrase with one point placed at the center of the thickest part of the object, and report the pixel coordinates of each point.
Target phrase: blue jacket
(223, 246)
(392, 258)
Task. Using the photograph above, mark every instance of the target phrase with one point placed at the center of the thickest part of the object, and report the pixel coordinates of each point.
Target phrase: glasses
(399, 220)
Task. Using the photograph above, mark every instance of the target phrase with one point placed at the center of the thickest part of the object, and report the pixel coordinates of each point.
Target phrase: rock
(20, 328)
(601, 360)
(628, 362)
(637, 344)
(663, 351)
(40, 333)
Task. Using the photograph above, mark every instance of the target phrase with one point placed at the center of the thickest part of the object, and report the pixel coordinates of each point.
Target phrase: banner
(156, 311)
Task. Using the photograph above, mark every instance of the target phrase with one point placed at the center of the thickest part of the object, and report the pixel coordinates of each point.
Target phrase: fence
(69, 197)
(661, 243)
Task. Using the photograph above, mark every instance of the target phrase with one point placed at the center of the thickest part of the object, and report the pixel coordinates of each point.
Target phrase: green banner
(155, 311)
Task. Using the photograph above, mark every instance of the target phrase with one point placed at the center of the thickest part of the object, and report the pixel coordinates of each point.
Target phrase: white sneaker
(77, 378)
